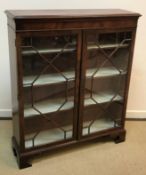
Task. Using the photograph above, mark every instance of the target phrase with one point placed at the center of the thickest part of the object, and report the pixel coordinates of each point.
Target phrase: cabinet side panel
(14, 89)
(13, 68)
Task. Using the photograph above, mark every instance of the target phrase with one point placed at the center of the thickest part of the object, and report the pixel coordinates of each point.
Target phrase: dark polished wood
(70, 13)
(43, 20)
(57, 26)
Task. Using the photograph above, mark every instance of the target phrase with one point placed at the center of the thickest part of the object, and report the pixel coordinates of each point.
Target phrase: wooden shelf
(47, 79)
(104, 72)
(107, 46)
(50, 106)
(101, 98)
(48, 136)
(56, 134)
(98, 125)
(30, 51)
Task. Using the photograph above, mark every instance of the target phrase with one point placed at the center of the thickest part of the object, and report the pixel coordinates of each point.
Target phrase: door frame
(19, 37)
(83, 79)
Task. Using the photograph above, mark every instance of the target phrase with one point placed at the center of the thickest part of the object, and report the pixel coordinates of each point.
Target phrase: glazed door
(105, 70)
(50, 95)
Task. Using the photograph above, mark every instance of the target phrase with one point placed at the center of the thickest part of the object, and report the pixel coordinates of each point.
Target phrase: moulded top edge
(69, 13)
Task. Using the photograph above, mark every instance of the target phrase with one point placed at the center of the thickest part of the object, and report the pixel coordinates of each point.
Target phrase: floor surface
(102, 158)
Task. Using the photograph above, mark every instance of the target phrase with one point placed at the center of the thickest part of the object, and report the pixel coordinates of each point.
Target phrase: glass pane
(106, 71)
(48, 85)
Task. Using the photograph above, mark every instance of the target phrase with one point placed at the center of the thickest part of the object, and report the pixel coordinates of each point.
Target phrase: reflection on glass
(48, 85)
(106, 71)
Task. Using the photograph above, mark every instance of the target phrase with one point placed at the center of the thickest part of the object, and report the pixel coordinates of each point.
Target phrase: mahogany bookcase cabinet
(70, 77)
